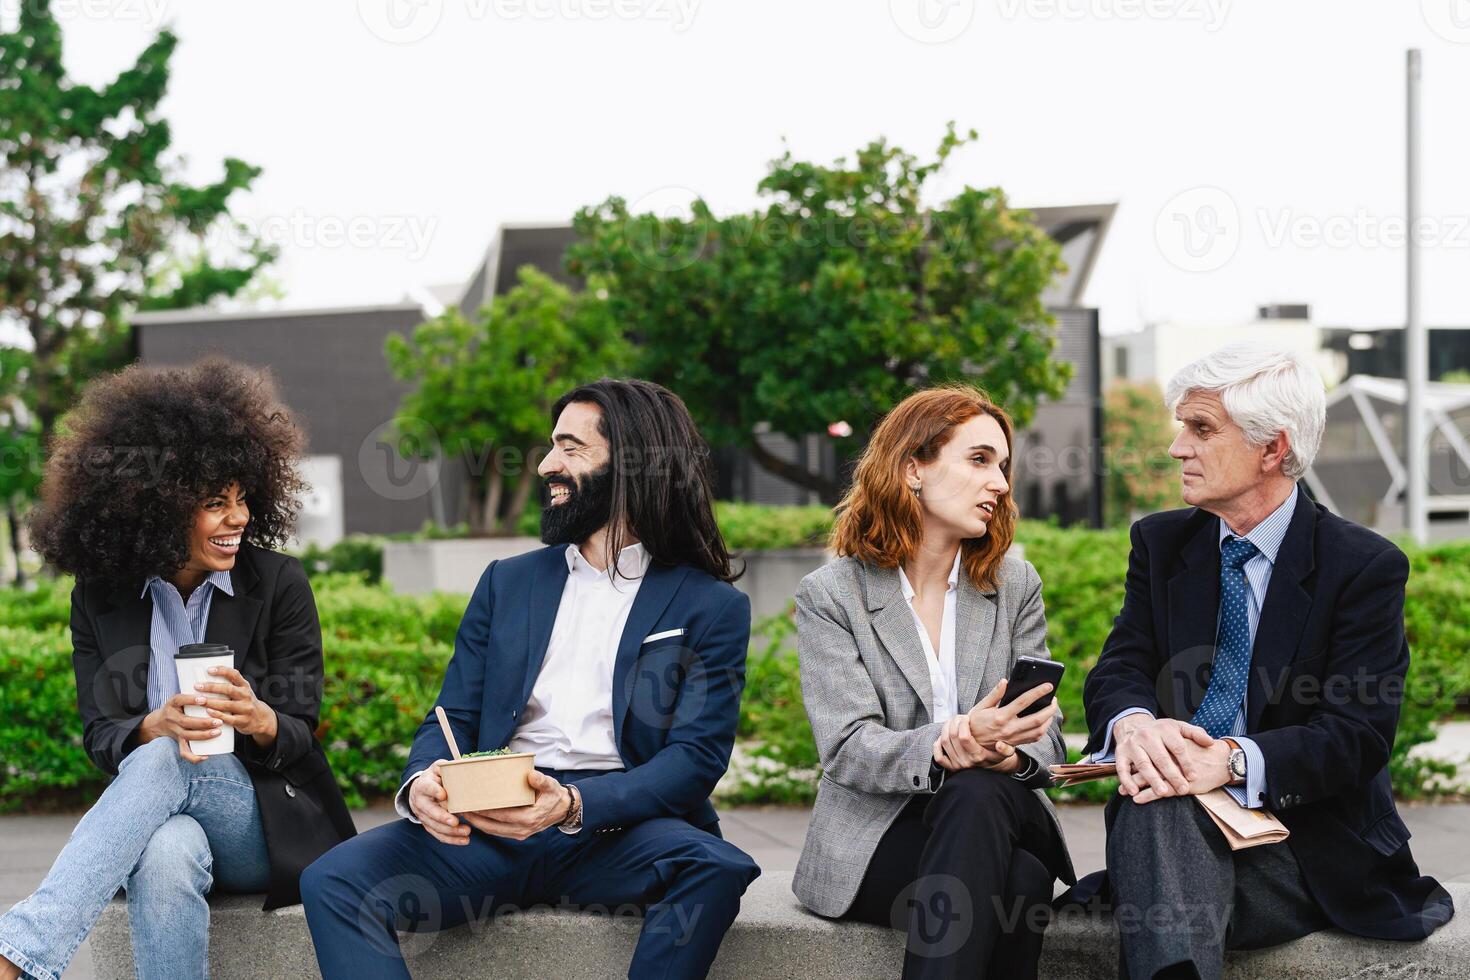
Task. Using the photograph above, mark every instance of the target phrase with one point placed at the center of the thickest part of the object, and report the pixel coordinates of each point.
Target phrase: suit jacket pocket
(1386, 834)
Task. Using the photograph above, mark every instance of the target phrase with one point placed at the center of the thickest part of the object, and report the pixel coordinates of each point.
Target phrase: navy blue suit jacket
(1326, 681)
(676, 700)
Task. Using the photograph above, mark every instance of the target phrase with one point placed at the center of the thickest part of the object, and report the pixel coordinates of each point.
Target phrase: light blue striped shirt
(1267, 537)
(175, 624)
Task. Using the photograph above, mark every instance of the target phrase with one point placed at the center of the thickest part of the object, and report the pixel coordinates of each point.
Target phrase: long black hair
(662, 480)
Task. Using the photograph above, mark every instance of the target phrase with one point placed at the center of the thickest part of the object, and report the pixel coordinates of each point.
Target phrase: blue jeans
(168, 831)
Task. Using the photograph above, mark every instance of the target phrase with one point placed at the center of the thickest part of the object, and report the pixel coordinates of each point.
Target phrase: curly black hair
(144, 448)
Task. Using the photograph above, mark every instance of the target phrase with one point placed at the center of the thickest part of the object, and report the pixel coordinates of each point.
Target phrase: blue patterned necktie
(1231, 671)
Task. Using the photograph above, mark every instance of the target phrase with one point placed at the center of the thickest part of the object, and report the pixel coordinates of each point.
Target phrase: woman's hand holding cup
(169, 721)
(234, 702)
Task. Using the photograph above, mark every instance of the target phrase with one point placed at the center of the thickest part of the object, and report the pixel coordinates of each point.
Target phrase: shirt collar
(1268, 535)
(633, 561)
(219, 579)
(954, 577)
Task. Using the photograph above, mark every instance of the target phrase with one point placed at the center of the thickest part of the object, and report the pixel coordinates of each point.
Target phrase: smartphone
(1029, 673)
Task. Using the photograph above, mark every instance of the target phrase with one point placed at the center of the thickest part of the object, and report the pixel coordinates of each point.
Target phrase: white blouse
(945, 703)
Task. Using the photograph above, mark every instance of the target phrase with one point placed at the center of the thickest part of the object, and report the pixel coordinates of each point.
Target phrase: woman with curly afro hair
(165, 494)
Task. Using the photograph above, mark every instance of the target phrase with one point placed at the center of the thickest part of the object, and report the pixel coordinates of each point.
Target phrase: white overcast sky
(1253, 126)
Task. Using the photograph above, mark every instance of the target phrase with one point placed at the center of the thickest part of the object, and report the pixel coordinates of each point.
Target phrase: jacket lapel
(893, 622)
(232, 618)
(547, 583)
(657, 589)
(974, 635)
(1194, 609)
(1284, 613)
(124, 634)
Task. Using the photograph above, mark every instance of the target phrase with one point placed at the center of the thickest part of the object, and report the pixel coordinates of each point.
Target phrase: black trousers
(965, 872)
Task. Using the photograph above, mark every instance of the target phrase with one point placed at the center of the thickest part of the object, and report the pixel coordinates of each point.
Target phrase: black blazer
(1326, 681)
(271, 624)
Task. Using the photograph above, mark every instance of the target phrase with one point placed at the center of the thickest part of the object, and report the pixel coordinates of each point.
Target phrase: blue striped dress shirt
(175, 624)
(1267, 537)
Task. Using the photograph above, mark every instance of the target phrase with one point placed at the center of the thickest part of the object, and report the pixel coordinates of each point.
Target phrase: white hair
(1266, 390)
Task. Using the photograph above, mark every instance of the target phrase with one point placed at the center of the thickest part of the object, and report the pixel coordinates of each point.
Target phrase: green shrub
(752, 527)
(359, 553)
(386, 654)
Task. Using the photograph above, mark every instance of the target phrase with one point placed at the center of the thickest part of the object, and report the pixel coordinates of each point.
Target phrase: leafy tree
(20, 448)
(484, 388)
(832, 303)
(90, 218)
(1137, 430)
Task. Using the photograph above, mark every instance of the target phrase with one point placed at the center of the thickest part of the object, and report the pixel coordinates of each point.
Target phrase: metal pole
(1416, 347)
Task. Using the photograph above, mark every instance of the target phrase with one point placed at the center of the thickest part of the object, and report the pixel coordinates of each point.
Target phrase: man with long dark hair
(616, 655)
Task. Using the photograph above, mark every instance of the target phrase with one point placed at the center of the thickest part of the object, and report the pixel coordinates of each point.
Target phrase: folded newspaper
(1241, 826)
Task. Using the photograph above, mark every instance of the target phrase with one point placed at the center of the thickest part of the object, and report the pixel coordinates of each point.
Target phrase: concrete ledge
(773, 938)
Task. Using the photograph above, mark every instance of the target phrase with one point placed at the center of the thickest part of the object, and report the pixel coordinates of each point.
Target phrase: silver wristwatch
(1237, 763)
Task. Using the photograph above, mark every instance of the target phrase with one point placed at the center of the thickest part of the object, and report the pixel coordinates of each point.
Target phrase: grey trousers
(1181, 897)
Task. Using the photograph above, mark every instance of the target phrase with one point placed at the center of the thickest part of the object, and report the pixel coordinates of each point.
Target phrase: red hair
(880, 521)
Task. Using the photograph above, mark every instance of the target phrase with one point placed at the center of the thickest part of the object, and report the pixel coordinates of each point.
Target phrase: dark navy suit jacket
(676, 700)
(1326, 682)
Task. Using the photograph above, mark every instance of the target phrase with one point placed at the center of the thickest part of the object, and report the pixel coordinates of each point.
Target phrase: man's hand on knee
(1155, 756)
(1210, 765)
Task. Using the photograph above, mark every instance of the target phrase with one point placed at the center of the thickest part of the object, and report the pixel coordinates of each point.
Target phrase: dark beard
(586, 512)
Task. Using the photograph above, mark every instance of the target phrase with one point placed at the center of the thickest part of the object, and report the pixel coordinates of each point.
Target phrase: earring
(915, 488)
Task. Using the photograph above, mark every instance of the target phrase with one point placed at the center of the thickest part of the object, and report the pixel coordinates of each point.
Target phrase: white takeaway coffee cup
(193, 662)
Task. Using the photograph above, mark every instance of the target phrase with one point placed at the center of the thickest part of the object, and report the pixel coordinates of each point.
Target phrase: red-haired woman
(930, 815)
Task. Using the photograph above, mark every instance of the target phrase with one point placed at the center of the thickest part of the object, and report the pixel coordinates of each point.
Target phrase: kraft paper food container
(488, 782)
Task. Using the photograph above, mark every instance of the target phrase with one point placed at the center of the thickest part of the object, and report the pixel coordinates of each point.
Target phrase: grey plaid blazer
(866, 687)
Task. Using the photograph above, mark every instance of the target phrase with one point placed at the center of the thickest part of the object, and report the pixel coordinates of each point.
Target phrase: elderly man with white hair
(1260, 648)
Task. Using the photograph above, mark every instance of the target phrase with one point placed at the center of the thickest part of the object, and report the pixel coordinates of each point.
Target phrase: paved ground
(772, 836)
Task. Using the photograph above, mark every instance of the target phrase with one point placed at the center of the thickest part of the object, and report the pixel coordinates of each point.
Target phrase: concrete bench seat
(773, 938)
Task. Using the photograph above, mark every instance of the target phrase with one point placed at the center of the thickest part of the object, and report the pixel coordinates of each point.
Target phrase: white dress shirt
(568, 722)
(945, 699)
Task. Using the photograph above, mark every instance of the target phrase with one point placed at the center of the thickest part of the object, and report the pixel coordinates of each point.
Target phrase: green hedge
(386, 653)
(747, 527)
